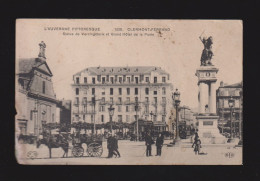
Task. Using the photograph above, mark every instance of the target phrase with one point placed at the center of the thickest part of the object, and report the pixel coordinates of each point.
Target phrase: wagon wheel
(77, 151)
(95, 150)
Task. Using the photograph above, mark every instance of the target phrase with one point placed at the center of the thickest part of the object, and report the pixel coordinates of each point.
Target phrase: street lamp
(231, 105)
(111, 113)
(176, 99)
(137, 122)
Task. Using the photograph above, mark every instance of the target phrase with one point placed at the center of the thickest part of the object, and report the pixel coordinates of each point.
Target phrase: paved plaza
(133, 153)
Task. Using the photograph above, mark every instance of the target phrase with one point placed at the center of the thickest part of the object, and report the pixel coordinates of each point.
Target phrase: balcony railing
(154, 103)
(88, 112)
(119, 103)
(146, 103)
(146, 113)
(163, 103)
(75, 112)
(102, 102)
(118, 83)
(84, 103)
(163, 112)
(76, 103)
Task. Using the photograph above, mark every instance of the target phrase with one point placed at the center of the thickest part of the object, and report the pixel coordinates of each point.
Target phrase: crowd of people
(113, 149)
(112, 145)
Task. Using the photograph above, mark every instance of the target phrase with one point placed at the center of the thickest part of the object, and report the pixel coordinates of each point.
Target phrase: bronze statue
(42, 49)
(207, 51)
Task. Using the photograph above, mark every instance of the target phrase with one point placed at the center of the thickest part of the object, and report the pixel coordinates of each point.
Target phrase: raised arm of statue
(201, 39)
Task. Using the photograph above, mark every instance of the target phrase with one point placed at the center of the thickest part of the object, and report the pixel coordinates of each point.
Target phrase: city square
(192, 112)
(133, 153)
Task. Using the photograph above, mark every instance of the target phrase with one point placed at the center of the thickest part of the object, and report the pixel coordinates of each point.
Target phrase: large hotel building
(122, 87)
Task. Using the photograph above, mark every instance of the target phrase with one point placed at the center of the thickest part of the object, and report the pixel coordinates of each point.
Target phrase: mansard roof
(26, 65)
(236, 85)
(136, 70)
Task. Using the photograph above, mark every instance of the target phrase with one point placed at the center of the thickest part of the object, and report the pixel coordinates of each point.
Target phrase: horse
(51, 142)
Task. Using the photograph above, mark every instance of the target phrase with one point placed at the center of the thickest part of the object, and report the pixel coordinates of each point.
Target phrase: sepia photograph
(129, 92)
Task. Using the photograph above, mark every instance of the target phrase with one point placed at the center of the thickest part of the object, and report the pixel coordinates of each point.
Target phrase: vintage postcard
(129, 92)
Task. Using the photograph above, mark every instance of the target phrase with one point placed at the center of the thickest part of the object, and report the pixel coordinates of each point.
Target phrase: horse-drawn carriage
(93, 142)
(94, 145)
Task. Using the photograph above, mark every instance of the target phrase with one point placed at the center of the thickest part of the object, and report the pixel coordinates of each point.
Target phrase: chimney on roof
(42, 50)
(221, 84)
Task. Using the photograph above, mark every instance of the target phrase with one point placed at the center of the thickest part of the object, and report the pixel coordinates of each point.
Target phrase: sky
(177, 51)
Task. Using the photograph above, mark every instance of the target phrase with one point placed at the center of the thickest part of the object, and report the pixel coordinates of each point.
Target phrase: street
(133, 153)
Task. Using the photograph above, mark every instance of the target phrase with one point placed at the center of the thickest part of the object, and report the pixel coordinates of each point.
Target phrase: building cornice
(109, 85)
(42, 97)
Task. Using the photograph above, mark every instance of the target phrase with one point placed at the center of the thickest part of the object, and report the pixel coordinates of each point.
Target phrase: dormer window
(146, 79)
(85, 80)
(120, 80)
(163, 79)
(112, 80)
(155, 79)
(77, 80)
(136, 80)
(128, 79)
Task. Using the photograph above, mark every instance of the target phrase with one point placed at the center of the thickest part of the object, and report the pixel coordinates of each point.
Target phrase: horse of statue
(52, 142)
(207, 53)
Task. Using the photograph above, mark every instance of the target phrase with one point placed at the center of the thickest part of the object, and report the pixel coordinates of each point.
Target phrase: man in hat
(148, 142)
(159, 144)
(115, 146)
(110, 145)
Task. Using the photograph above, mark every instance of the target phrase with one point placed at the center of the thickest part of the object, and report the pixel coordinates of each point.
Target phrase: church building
(35, 98)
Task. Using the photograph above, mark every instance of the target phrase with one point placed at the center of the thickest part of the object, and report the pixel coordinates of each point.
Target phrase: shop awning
(142, 122)
(159, 123)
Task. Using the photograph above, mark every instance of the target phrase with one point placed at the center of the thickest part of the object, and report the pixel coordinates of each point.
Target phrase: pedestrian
(159, 144)
(197, 144)
(115, 147)
(110, 145)
(148, 142)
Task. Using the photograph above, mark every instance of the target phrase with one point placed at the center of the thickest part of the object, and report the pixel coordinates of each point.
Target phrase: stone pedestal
(208, 130)
(208, 120)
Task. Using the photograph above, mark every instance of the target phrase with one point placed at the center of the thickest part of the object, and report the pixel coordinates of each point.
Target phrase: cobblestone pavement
(133, 153)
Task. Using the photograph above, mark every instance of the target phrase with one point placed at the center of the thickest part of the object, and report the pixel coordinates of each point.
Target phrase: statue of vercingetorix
(207, 51)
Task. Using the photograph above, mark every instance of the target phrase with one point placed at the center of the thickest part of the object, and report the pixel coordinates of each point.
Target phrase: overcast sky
(177, 51)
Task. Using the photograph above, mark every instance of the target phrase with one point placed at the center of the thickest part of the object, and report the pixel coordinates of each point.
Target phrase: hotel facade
(122, 87)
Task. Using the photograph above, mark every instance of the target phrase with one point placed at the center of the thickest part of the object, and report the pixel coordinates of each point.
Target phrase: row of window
(111, 91)
(119, 118)
(223, 103)
(229, 93)
(103, 80)
(127, 109)
(111, 100)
